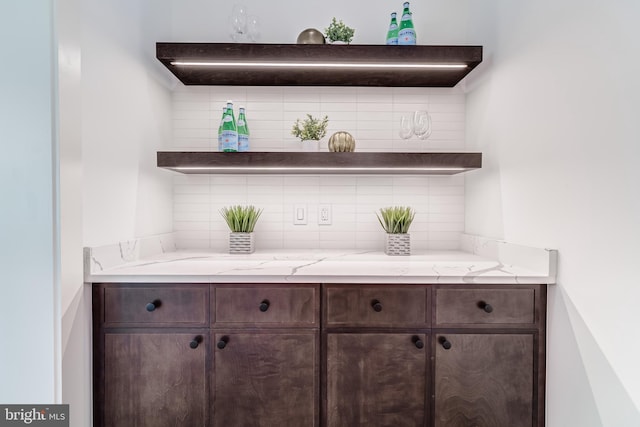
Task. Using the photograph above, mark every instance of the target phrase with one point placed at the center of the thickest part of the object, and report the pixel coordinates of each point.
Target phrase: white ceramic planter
(310, 145)
(398, 244)
(241, 243)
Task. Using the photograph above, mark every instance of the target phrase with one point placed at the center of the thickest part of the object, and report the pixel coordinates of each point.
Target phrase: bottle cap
(241, 107)
(229, 101)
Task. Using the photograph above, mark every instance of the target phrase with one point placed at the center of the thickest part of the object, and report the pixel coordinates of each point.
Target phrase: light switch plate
(300, 214)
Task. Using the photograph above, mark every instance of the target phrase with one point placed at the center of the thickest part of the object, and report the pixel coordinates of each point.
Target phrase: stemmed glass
(238, 22)
(253, 28)
(422, 124)
(406, 127)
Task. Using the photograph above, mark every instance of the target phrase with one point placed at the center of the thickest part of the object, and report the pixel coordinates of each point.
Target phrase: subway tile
(372, 115)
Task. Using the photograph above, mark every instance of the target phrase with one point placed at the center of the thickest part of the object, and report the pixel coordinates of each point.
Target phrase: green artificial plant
(310, 129)
(396, 219)
(241, 219)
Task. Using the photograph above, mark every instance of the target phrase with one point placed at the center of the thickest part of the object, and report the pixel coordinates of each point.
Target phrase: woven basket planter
(241, 243)
(398, 244)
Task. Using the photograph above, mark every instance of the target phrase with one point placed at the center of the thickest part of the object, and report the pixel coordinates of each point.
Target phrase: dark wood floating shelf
(318, 65)
(364, 163)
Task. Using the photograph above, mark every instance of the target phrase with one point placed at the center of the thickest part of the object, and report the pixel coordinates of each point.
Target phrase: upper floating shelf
(359, 163)
(318, 65)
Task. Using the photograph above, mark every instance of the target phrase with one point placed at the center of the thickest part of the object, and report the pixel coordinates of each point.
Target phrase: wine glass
(406, 127)
(238, 22)
(253, 28)
(422, 124)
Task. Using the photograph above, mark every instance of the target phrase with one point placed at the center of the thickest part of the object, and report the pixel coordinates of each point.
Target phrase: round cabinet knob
(376, 305)
(153, 305)
(488, 308)
(223, 342)
(264, 305)
(195, 342)
(417, 341)
(444, 343)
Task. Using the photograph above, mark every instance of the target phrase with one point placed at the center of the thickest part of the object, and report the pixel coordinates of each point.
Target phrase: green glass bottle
(224, 110)
(392, 34)
(229, 130)
(243, 131)
(407, 34)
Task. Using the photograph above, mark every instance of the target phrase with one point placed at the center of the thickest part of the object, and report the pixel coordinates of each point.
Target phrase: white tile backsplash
(371, 115)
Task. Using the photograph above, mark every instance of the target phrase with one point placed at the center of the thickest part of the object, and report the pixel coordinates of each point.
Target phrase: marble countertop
(481, 261)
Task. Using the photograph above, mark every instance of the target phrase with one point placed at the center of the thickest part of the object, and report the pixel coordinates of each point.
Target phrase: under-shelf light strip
(312, 169)
(315, 65)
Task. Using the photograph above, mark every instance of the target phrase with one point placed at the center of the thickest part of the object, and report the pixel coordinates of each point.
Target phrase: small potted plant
(310, 131)
(396, 221)
(241, 221)
(337, 31)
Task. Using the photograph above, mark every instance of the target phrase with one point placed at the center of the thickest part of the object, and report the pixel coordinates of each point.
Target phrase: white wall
(114, 115)
(554, 110)
(436, 22)
(29, 295)
(126, 118)
(371, 115)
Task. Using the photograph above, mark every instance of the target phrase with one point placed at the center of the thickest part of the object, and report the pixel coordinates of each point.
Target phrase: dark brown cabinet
(155, 379)
(484, 380)
(377, 364)
(376, 379)
(204, 355)
(265, 379)
(336, 355)
(489, 355)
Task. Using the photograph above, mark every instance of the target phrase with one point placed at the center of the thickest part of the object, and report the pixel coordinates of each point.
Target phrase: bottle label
(243, 142)
(407, 36)
(240, 122)
(392, 40)
(227, 119)
(229, 140)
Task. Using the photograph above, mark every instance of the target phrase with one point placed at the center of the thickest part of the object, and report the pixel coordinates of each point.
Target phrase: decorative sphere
(342, 141)
(310, 36)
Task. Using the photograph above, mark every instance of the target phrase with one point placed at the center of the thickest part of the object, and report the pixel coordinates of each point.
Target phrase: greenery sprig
(241, 219)
(396, 219)
(310, 129)
(337, 31)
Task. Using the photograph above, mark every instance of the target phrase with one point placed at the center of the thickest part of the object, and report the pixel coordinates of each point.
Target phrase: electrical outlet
(300, 214)
(324, 214)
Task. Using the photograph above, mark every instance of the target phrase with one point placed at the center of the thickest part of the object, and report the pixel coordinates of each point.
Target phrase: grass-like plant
(337, 31)
(396, 219)
(241, 219)
(310, 129)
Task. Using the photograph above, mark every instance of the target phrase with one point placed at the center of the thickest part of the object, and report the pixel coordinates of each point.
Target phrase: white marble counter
(482, 261)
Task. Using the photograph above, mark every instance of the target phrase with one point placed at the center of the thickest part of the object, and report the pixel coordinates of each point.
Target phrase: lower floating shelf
(356, 163)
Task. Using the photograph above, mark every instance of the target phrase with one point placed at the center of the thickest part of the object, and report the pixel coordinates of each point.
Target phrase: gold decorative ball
(311, 36)
(341, 142)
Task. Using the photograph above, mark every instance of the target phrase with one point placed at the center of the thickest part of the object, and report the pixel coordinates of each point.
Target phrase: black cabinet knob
(223, 342)
(264, 305)
(195, 342)
(417, 341)
(153, 305)
(444, 343)
(488, 308)
(376, 305)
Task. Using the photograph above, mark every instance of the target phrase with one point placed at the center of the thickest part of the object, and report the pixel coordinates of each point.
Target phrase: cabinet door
(265, 379)
(376, 380)
(155, 379)
(484, 380)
